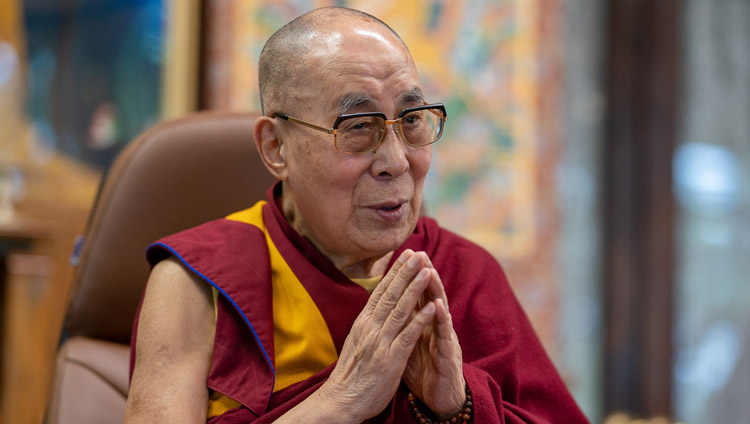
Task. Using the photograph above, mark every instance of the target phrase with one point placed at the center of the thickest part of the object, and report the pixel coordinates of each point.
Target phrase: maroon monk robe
(510, 376)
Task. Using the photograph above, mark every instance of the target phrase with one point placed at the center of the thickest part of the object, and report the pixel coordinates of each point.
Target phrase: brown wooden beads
(428, 417)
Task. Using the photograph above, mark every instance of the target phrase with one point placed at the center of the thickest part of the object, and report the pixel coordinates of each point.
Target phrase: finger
(436, 287)
(444, 321)
(385, 282)
(396, 287)
(445, 339)
(402, 311)
(408, 337)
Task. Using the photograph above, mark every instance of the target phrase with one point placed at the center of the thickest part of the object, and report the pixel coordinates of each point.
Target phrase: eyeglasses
(363, 132)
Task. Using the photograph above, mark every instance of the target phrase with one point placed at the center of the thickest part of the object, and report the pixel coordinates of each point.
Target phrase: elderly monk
(333, 301)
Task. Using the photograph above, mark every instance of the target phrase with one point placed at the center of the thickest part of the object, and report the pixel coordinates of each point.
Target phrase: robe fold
(508, 372)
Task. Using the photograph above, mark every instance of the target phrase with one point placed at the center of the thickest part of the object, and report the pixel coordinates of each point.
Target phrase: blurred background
(600, 149)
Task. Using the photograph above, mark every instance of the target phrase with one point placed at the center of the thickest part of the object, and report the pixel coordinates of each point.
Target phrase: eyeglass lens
(362, 133)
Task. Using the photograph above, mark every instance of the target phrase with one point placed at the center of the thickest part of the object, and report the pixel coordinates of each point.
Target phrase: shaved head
(285, 60)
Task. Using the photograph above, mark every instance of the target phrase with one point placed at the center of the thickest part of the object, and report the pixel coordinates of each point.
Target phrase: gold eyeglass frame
(345, 116)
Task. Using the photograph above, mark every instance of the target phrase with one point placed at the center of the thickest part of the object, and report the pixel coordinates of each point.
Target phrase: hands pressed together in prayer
(404, 332)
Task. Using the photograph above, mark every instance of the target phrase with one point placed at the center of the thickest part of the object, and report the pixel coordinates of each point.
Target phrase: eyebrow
(413, 96)
(350, 101)
(354, 100)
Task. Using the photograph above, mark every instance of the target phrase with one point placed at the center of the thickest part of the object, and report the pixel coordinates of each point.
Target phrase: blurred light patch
(706, 178)
(12, 189)
(707, 366)
(8, 62)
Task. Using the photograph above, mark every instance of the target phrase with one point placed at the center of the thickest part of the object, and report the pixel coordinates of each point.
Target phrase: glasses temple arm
(301, 122)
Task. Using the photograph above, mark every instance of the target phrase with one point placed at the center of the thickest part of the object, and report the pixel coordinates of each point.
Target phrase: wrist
(315, 409)
(424, 415)
(332, 406)
(456, 403)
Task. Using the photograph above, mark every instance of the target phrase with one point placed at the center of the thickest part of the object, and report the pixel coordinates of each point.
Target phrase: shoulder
(478, 291)
(445, 245)
(466, 268)
(176, 304)
(171, 275)
(211, 241)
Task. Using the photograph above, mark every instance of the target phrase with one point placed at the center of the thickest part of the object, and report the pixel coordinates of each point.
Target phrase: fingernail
(405, 254)
(413, 261)
(445, 306)
(422, 274)
(429, 308)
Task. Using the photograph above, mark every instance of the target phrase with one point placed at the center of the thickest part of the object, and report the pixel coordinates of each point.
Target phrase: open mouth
(390, 212)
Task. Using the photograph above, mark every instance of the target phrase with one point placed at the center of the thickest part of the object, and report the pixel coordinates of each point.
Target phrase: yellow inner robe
(302, 342)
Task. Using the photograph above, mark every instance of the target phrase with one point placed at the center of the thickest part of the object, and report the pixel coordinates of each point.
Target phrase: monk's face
(355, 206)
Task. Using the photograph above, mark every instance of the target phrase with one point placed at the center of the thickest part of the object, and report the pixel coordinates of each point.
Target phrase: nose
(390, 156)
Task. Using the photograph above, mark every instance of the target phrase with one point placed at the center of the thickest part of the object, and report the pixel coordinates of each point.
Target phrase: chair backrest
(174, 176)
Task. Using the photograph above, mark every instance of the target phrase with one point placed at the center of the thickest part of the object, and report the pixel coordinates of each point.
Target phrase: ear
(269, 143)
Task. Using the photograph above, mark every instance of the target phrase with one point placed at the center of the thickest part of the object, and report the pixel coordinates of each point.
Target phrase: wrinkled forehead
(349, 67)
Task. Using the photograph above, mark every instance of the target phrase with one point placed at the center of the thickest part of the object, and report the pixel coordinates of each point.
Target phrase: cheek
(328, 177)
(419, 166)
(419, 163)
(347, 170)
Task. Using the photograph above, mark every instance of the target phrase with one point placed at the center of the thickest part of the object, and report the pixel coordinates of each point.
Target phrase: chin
(385, 241)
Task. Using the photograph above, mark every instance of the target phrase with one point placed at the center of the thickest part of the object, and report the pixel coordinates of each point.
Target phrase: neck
(353, 266)
(370, 267)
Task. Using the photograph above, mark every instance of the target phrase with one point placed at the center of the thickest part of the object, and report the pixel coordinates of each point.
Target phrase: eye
(360, 124)
(412, 118)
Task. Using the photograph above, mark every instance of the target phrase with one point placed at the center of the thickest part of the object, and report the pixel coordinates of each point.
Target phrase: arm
(173, 353)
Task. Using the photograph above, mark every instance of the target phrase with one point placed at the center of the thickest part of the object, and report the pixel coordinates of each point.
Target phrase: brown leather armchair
(174, 176)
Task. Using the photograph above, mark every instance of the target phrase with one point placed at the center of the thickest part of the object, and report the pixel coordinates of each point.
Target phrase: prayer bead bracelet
(462, 417)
